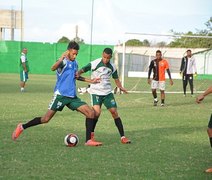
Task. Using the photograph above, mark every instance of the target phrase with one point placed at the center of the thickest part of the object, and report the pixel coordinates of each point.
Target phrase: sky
(49, 20)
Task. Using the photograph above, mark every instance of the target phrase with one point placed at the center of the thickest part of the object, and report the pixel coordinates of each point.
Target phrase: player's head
(158, 55)
(189, 53)
(24, 50)
(107, 55)
(73, 49)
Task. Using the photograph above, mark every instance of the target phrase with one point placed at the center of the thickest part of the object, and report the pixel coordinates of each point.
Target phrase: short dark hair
(73, 45)
(188, 50)
(108, 51)
(158, 51)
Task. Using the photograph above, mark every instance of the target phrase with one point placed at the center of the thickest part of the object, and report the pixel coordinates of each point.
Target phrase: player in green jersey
(24, 68)
(101, 93)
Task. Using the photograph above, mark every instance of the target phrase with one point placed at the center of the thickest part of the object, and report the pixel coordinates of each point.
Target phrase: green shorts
(58, 102)
(24, 76)
(107, 100)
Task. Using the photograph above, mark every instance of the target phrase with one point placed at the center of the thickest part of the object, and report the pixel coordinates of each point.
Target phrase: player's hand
(199, 98)
(77, 75)
(123, 89)
(95, 80)
(149, 81)
(171, 82)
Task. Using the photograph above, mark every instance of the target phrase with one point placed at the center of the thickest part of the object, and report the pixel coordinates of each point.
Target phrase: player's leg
(96, 102)
(190, 80)
(97, 113)
(110, 104)
(57, 104)
(154, 86)
(185, 82)
(209, 130)
(162, 86)
(36, 121)
(89, 122)
(22, 80)
(88, 112)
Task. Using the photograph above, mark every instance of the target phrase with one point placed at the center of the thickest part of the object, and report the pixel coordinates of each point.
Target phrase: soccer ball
(71, 140)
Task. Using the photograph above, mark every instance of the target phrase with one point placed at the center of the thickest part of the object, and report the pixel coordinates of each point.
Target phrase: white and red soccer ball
(71, 140)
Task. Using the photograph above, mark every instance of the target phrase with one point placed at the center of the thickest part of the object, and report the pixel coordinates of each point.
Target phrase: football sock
(162, 101)
(95, 120)
(33, 122)
(89, 126)
(210, 141)
(119, 125)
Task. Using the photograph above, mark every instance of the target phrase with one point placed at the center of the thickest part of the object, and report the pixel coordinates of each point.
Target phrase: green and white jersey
(23, 59)
(104, 72)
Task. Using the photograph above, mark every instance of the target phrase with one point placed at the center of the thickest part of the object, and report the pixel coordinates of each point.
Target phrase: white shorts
(158, 85)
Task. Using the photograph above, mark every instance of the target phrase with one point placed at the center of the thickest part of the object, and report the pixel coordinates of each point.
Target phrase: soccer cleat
(208, 170)
(162, 105)
(92, 143)
(124, 140)
(155, 102)
(16, 133)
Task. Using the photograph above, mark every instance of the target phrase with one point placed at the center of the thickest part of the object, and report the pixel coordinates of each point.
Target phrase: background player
(159, 66)
(101, 93)
(188, 64)
(65, 95)
(24, 69)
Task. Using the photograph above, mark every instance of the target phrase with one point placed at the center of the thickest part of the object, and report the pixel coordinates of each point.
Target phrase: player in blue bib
(65, 95)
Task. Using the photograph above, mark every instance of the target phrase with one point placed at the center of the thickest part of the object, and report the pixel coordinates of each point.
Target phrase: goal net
(133, 61)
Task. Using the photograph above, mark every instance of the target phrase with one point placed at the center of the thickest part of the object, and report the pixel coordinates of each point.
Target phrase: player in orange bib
(159, 67)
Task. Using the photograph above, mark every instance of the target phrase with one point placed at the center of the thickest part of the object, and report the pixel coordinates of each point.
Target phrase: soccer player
(188, 64)
(65, 95)
(159, 66)
(101, 93)
(24, 69)
(209, 130)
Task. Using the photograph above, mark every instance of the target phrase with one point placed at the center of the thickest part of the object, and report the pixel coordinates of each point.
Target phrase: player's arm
(92, 81)
(170, 77)
(181, 66)
(118, 84)
(202, 96)
(60, 60)
(24, 66)
(149, 72)
(23, 59)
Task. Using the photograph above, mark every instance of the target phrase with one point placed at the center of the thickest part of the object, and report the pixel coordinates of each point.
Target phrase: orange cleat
(17, 132)
(208, 170)
(92, 143)
(124, 140)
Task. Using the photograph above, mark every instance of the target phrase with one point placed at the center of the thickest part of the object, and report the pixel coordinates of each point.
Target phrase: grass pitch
(167, 142)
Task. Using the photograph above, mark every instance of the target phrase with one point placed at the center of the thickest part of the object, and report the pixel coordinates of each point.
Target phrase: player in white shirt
(101, 93)
(188, 65)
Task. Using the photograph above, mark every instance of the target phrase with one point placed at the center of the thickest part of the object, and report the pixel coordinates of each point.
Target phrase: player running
(101, 93)
(65, 95)
(159, 66)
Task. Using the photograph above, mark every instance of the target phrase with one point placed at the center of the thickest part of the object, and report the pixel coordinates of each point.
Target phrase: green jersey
(104, 72)
(23, 59)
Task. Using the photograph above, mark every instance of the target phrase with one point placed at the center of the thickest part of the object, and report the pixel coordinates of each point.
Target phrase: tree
(134, 42)
(67, 40)
(189, 42)
(146, 43)
(63, 40)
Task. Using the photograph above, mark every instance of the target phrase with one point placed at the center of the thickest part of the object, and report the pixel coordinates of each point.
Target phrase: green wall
(41, 56)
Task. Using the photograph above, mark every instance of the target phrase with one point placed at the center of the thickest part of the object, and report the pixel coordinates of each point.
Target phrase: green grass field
(167, 142)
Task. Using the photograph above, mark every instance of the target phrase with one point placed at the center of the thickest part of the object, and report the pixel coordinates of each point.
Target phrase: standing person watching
(188, 64)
